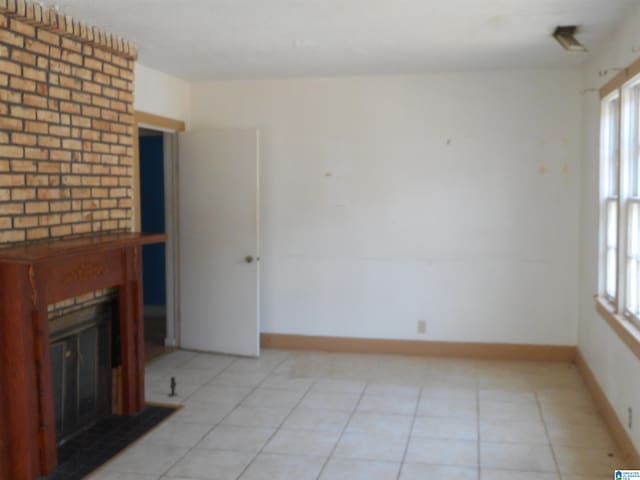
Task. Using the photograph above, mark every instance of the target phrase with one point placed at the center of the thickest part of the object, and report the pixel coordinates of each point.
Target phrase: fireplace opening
(82, 358)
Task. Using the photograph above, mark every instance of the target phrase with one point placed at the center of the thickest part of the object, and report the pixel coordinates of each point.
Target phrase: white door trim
(171, 218)
(170, 129)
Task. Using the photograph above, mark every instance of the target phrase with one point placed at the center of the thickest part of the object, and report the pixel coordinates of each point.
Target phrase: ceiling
(210, 39)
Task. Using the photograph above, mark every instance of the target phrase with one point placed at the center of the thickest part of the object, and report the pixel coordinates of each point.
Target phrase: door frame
(170, 128)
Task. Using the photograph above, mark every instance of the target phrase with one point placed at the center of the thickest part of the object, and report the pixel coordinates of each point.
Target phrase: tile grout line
(235, 406)
(163, 474)
(413, 422)
(181, 365)
(310, 387)
(279, 427)
(344, 429)
(546, 432)
(210, 381)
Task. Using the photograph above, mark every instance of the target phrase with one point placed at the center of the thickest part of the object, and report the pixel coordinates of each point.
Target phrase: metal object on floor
(173, 387)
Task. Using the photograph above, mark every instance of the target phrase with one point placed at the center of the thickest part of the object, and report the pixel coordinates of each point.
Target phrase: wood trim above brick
(158, 121)
(488, 351)
(48, 18)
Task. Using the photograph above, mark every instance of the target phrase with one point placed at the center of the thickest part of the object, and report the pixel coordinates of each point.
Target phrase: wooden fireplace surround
(32, 276)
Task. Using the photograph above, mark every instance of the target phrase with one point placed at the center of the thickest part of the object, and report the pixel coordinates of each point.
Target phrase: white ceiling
(207, 39)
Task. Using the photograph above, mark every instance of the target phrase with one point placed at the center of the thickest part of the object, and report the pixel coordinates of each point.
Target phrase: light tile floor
(301, 415)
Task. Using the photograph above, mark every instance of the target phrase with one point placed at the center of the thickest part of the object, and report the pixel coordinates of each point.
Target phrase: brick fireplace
(66, 170)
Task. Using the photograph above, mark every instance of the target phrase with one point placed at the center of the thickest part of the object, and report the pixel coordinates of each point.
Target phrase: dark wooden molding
(32, 276)
(68, 247)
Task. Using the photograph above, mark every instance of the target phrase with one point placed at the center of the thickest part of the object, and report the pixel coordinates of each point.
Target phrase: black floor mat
(94, 447)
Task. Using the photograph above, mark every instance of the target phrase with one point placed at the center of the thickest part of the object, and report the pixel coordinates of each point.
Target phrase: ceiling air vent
(566, 36)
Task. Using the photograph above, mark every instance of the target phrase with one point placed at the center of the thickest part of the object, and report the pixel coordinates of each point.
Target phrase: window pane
(612, 224)
(631, 139)
(633, 258)
(612, 146)
(632, 285)
(635, 192)
(611, 272)
(612, 248)
(610, 182)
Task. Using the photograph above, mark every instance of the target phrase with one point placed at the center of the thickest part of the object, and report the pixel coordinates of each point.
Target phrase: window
(631, 155)
(620, 200)
(609, 188)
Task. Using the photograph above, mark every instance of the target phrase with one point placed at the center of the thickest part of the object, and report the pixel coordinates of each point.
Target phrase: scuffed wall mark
(497, 22)
(542, 153)
(448, 142)
(565, 173)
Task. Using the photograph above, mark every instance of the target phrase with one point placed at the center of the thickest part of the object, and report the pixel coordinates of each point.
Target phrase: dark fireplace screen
(81, 369)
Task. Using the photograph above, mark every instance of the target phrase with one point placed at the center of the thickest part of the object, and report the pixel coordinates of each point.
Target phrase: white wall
(451, 198)
(161, 94)
(615, 367)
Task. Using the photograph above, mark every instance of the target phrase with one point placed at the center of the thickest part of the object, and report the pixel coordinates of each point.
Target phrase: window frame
(624, 323)
(609, 194)
(630, 183)
(633, 316)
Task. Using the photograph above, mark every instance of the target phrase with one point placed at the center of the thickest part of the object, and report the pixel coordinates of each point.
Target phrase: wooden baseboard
(487, 351)
(617, 430)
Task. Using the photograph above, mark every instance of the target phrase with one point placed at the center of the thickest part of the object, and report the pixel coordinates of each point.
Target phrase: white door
(218, 172)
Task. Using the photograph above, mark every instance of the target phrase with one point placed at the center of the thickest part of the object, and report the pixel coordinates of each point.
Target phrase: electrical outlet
(630, 417)
(422, 326)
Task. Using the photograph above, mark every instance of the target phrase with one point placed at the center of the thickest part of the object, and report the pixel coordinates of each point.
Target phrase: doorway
(156, 138)
(213, 249)
(153, 219)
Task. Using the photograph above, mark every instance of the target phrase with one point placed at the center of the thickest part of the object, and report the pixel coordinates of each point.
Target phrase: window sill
(626, 330)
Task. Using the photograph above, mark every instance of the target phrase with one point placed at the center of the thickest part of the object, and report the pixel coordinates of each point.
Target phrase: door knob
(248, 259)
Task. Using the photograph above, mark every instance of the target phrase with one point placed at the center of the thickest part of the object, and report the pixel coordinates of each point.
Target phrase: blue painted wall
(152, 205)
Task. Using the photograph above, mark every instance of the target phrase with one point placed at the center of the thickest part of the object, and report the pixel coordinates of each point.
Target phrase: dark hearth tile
(94, 447)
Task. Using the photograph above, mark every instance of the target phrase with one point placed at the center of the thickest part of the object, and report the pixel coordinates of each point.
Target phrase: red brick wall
(66, 145)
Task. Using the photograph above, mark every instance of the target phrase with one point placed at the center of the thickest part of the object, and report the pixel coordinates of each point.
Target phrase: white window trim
(605, 200)
(628, 148)
(629, 151)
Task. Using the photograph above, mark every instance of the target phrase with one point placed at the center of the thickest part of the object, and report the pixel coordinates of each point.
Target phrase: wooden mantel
(32, 276)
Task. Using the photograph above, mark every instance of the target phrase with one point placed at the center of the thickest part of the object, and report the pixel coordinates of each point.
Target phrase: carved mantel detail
(84, 272)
